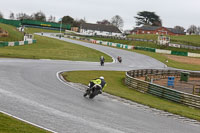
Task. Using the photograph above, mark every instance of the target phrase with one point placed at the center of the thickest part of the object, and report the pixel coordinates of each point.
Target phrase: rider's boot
(85, 94)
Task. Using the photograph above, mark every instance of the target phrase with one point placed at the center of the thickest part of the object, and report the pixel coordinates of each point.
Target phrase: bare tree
(1, 15)
(82, 20)
(12, 16)
(180, 28)
(117, 21)
(198, 30)
(21, 16)
(105, 22)
(40, 16)
(192, 29)
(51, 18)
(78, 22)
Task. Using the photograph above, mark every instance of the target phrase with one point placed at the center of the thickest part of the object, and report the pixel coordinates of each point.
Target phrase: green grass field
(37, 30)
(14, 34)
(12, 125)
(144, 36)
(188, 40)
(115, 86)
(47, 48)
(193, 40)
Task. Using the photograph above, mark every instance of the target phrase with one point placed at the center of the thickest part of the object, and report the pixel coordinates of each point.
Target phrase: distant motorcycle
(119, 59)
(102, 63)
(92, 92)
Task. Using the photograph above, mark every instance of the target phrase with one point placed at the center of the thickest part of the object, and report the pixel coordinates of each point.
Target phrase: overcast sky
(171, 12)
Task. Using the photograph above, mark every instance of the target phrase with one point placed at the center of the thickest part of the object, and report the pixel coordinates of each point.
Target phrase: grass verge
(48, 48)
(193, 40)
(14, 34)
(115, 86)
(11, 125)
(38, 30)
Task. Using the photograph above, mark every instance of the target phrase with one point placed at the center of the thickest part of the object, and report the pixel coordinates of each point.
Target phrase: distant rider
(102, 60)
(119, 59)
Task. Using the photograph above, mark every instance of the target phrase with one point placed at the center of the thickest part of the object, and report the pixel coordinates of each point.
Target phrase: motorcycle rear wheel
(91, 96)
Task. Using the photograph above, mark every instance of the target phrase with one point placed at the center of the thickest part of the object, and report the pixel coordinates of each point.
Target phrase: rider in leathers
(98, 81)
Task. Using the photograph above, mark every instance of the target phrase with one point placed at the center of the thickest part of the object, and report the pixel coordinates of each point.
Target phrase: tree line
(143, 18)
(115, 20)
(40, 16)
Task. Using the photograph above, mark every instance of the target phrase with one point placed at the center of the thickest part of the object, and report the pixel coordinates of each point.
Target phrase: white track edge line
(28, 122)
(60, 78)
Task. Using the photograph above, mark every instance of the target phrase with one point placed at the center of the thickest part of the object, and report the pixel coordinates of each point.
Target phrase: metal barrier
(161, 91)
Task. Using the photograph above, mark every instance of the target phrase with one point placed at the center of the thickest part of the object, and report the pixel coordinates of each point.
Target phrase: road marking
(28, 122)
(63, 80)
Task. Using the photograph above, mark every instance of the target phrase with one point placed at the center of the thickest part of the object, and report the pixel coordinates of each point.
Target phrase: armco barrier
(17, 43)
(16, 23)
(161, 91)
(163, 51)
(193, 54)
(179, 53)
(34, 23)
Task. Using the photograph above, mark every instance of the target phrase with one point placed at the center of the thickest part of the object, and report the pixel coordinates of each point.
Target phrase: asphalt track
(31, 90)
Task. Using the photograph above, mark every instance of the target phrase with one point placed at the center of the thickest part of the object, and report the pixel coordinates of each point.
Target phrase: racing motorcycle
(102, 63)
(93, 91)
(119, 59)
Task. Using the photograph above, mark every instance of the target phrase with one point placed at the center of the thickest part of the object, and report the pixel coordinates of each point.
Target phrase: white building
(99, 29)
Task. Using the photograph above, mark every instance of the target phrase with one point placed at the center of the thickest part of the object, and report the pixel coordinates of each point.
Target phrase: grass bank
(38, 30)
(13, 33)
(48, 48)
(193, 40)
(115, 86)
(12, 125)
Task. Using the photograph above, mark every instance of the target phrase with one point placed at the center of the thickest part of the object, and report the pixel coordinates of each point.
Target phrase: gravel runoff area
(183, 59)
(178, 85)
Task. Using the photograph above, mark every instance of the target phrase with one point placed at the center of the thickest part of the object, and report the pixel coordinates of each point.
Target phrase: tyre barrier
(163, 92)
(125, 46)
(17, 43)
